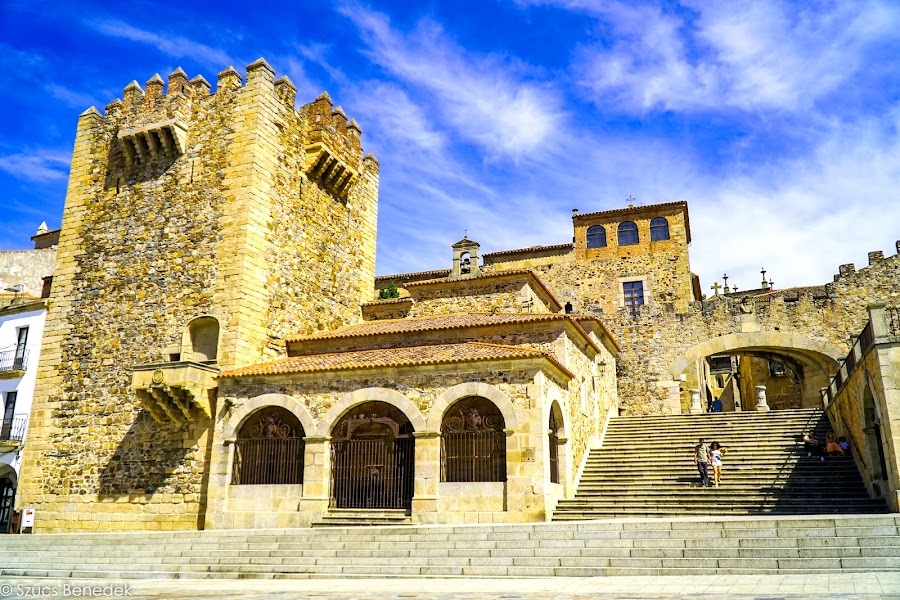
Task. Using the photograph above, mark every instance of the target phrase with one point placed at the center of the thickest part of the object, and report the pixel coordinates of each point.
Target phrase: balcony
(12, 432)
(176, 392)
(13, 363)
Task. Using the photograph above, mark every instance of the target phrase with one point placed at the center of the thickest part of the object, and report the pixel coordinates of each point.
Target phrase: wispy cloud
(71, 97)
(171, 45)
(712, 54)
(40, 165)
(483, 97)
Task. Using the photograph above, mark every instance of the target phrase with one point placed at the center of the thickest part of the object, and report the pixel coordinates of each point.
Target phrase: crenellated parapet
(333, 146)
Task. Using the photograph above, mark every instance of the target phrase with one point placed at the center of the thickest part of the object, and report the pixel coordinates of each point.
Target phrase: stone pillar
(428, 474)
(696, 407)
(736, 393)
(761, 404)
(879, 322)
(317, 469)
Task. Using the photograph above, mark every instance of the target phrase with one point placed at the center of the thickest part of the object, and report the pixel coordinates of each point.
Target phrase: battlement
(153, 125)
(876, 258)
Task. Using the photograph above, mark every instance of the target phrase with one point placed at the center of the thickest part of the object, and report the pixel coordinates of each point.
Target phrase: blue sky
(776, 121)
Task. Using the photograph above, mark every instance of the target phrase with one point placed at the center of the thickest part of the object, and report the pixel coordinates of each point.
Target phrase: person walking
(701, 459)
(716, 451)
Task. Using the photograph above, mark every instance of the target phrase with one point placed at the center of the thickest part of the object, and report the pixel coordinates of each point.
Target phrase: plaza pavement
(853, 586)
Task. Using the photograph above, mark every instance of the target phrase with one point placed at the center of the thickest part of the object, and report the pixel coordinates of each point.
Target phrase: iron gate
(372, 473)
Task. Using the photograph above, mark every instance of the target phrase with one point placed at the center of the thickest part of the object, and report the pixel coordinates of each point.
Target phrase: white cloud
(712, 54)
(481, 96)
(172, 45)
(40, 165)
(388, 109)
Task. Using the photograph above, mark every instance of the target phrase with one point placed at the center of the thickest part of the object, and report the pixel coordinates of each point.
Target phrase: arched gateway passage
(809, 362)
(372, 458)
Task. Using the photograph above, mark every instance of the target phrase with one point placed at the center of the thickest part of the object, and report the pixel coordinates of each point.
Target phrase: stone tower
(199, 229)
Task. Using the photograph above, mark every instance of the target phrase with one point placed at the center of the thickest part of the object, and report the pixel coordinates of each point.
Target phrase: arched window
(628, 233)
(204, 334)
(473, 443)
(659, 229)
(269, 448)
(596, 236)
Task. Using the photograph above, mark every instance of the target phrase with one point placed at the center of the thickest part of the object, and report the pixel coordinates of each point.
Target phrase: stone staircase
(348, 517)
(646, 468)
(678, 546)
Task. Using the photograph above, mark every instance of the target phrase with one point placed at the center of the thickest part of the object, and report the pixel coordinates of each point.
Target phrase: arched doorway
(553, 427)
(269, 449)
(7, 501)
(372, 458)
(473, 442)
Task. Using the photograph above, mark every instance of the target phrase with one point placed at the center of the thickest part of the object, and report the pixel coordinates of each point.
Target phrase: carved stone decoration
(472, 414)
(175, 392)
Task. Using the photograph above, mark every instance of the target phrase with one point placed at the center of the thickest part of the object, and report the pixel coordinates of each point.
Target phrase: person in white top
(715, 452)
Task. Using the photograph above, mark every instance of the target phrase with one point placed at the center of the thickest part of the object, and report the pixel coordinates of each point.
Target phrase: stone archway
(813, 361)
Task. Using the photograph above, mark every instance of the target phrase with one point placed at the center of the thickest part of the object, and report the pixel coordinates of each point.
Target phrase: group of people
(833, 446)
(706, 456)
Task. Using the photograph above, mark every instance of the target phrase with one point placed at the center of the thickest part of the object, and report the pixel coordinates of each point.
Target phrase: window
(21, 342)
(777, 369)
(596, 236)
(9, 408)
(473, 443)
(659, 229)
(204, 334)
(628, 233)
(634, 296)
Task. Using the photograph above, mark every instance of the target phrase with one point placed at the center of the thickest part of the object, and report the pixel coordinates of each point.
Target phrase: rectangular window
(634, 296)
(21, 342)
(9, 407)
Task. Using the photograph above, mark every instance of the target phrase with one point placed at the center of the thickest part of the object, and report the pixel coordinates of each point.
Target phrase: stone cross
(725, 277)
(716, 287)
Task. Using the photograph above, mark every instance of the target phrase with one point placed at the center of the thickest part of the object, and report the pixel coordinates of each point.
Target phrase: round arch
(284, 401)
(821, 355)
(10, 472)
(554, 397)
(392, 397)
(472, 388)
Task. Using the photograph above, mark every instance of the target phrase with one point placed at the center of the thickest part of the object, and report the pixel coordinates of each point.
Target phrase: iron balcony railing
(13, 360)
(13, 429)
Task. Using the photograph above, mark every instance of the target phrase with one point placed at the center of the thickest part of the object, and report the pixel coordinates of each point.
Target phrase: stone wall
(215, 215)
(26, 267)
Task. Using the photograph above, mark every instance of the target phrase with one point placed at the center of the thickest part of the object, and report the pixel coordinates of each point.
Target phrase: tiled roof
(387, 301)
(415, 275)
(530, 249)
(430, 323)
(394, 357)
(493, 275)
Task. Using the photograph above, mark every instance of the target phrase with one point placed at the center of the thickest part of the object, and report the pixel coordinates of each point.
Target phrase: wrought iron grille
(269, 449)
(469, 456)
(554, 450)
(268, 461)
(473, 443)
(372, 473)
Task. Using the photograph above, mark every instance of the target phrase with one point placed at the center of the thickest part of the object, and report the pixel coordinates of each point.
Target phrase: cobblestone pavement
(856, 586)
